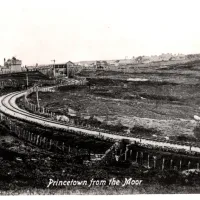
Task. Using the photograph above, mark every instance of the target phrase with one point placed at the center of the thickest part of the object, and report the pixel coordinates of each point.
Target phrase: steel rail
(9, 107)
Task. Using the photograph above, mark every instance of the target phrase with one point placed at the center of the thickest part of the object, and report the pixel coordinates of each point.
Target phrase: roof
(102, 62)
(30, 67)
(62, 63)
(70, 62)
(3, 67)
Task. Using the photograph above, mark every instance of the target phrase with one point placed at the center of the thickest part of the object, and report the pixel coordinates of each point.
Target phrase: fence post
(154, 162)
(31, 137)
(57, 145)
(141, 158)
(50, 144)
(126, 155)
(180, 164)
(44, 142)
(171, 163)
(131, 151)
(63, 146)
(37, 140)
(148, 165)
(189, 165)
(163, 164)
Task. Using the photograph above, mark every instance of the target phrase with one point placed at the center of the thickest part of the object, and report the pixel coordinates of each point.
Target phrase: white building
(12, 65)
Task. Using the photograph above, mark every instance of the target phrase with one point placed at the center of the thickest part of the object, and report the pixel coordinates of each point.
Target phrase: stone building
(58, 69)
(12, 65)
(101, 65)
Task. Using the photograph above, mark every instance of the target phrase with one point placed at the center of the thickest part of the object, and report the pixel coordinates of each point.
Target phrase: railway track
(9, 107)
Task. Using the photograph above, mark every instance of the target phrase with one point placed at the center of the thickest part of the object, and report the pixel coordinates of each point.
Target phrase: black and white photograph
(99, 97)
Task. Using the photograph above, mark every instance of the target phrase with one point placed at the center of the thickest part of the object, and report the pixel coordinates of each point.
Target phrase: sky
(38, 31)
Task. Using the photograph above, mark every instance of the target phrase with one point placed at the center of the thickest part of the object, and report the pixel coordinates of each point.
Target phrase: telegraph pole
(54, 73)
(27, 80)
(38, 105)
(126, 57)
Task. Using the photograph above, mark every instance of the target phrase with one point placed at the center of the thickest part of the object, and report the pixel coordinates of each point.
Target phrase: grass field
(21, 78)
(166, 102)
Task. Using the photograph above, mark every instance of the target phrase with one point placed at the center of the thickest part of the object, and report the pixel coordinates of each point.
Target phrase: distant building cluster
(156, 58)
(118, 64)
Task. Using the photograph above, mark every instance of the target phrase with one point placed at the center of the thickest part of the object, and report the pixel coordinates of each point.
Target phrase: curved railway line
(9, 107)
